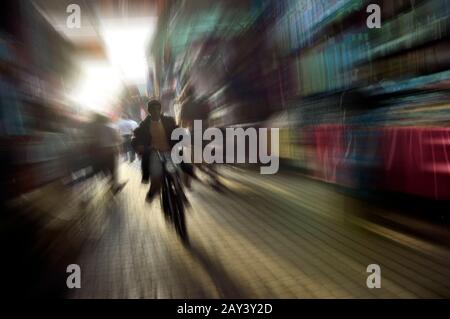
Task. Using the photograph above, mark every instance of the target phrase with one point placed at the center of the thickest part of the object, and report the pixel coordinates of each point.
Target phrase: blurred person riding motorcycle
(152, 139)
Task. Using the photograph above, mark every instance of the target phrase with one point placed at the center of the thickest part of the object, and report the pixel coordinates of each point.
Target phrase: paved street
(263, 237)
(281, 236)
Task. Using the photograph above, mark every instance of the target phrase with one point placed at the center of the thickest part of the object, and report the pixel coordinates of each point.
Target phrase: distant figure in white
(126, 127)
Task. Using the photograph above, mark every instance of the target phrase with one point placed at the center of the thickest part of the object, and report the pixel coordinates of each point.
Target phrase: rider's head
(154, 109)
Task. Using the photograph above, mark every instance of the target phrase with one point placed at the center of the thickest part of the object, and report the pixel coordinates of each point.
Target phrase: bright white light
(98, 86)
(126, 42)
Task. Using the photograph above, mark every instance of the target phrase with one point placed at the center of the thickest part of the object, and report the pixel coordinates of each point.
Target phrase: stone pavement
(263, 237)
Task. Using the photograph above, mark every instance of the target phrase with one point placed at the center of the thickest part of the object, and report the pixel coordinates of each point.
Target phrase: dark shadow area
(34, 258)
(224, 283)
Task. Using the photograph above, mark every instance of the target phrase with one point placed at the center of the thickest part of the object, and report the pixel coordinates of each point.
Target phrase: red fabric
(328, 141)
(415, 160)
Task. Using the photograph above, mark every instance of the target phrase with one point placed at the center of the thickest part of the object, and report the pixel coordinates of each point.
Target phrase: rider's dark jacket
(142, 136)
